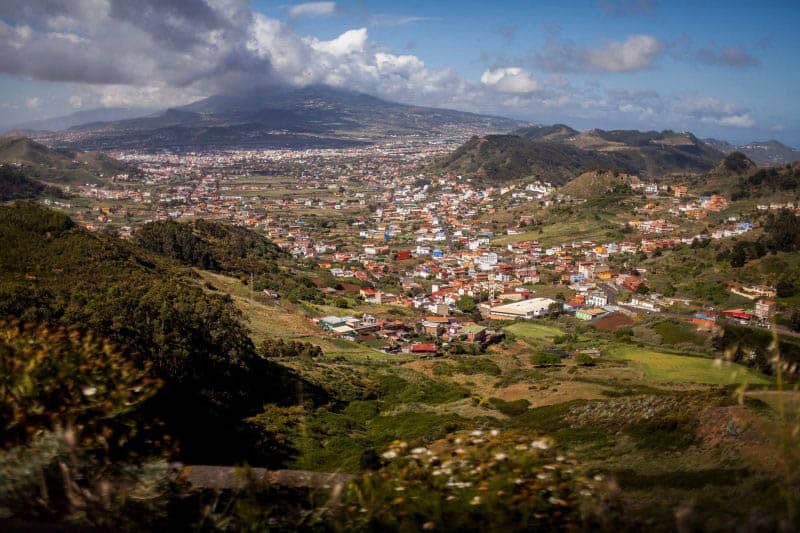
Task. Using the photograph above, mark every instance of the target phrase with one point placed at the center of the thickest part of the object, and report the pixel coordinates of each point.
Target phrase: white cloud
(510, 80)
(634, 53)
(166, 55)
(347, 43)
(33, 102)
(738, 121)
(312, 9)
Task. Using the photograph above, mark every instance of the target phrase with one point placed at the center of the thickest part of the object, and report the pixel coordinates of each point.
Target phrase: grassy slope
(533, 330)
(660, 366)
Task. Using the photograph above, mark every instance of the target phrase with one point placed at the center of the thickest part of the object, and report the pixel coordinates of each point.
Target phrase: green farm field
(666, 367)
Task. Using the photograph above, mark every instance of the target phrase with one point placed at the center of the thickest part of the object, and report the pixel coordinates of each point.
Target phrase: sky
(725, 69)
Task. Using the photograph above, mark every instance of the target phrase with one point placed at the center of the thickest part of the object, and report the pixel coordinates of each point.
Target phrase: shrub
(54, 378)
(510, 408)
(545, 359)
(584, 359)
(484, 481)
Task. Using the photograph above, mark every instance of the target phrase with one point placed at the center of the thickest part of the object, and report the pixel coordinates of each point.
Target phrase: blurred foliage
(482, 481)
(52, 378)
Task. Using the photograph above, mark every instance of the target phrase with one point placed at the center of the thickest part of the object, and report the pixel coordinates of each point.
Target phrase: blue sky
(723, 69)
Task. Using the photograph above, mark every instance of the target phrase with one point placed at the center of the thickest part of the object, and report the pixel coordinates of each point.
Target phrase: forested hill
(232, 250)
(499, 158)
(59, 166)
(54, 273)
(14, 185)
(558, 153)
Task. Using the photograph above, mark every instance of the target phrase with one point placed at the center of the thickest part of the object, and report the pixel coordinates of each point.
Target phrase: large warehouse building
(527, 309)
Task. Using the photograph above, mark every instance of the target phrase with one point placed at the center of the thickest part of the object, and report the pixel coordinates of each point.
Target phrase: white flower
(419, 450)
(598, 477)
(475, 501)
(477, 433)
(89, 391)
(500, 457)
(391, 454)
(494, 433)
(540, 444)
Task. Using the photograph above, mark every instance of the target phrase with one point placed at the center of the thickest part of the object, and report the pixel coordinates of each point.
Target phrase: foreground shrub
(54, 378)
(479, 481)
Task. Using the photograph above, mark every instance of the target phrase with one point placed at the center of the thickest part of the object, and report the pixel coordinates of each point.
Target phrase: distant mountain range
(312, 116)
(59, 166)
(557, 153)
(79, 118)
(763, 153)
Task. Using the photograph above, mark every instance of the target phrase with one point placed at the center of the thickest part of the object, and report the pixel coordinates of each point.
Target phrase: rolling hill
(557, 153)
(59, 166)
(312, 116)
(596, 183)
(740, 178)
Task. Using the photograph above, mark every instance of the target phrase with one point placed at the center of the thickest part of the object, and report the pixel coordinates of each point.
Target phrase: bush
(584, 359)
(510, 408)
(545, 359)
(481, 482)
(54, 378)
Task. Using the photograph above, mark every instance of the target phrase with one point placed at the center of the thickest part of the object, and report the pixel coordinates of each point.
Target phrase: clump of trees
(781, 234)
(281, 348)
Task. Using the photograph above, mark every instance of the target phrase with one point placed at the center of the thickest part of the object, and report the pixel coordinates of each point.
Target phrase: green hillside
(59, 166)
(557, 153)
(14, 185)
(54, 273)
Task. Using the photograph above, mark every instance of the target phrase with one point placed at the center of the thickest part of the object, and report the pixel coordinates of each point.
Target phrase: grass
(665, 367)
(533, 330)
(557, 233)
(675, 333)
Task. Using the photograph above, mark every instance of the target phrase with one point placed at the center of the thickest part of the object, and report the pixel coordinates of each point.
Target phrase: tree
(466, 304)
(785, 288)
(555, 308)
(794, 319)
(545, 359)
(782, 231)
(584, 359)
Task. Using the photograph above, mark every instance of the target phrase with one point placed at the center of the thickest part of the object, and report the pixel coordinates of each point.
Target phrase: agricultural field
(667, 367)
(533, 330)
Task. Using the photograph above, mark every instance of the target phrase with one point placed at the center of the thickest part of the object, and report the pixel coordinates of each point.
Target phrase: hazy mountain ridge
(82, 117)
(280, 117)
(763, 153)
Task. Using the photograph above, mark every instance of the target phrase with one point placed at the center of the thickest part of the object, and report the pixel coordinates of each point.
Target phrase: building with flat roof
(527, 309)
